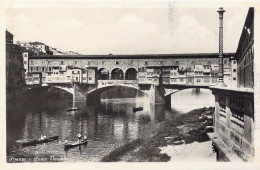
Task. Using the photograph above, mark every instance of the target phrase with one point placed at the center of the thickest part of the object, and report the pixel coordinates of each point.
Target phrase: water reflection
(189, 99)
(107, 126)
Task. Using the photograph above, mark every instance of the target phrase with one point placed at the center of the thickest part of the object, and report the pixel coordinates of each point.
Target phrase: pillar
(124, 75)
(157, 95)
(221, 14)
(79, 95)
(168, 101)
(109, 76)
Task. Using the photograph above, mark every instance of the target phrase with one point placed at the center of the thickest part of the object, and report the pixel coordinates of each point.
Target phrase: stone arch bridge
(158, 94)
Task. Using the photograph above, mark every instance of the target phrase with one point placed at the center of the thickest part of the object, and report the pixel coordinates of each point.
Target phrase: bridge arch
(103, 74)
(104, 88)
(131, 74)
(48, 89)
(181, 89)
(117, 74)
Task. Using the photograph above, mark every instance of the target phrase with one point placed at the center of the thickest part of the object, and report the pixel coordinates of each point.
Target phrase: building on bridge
(233, 135)
(143, 68)
(69, 74)
(34, 78)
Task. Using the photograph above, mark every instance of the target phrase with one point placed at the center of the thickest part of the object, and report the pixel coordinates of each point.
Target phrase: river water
(107, 126)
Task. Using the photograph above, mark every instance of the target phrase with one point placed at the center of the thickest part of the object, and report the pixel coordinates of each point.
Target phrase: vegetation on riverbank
(178, 129)
(117, 153)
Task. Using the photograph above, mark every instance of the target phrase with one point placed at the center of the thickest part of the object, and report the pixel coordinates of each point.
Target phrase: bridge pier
(157, 95)
(79, 96)
(168, 100)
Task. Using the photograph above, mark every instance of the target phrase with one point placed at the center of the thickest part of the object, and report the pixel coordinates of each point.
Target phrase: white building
(198, 75)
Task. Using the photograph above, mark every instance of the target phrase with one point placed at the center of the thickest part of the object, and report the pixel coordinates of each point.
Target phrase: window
(161, 62)
(192, 62)
(225, 61)
(31, 68)
(117, 62)
(37, 69)
(25, 55)
(146, 62)
(234, 61)
(76, 78)
(49, 62)
(89, 62)
(234, 70)
(62, 62)
(234, 78)
(25, 62)
(90, 78)
(181, 80)
(198, 80)
(208, 62)
(75, 62)
(42, 68)
(49, 68)
(78, 71)
(72, 72)
(31, 61)
(176, 62)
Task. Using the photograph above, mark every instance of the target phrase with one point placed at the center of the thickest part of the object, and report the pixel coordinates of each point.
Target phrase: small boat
(135, 109)
(71, 145)
(37, 141)
(73, 109)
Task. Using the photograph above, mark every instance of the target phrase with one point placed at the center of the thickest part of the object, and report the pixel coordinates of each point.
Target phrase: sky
(169, 28)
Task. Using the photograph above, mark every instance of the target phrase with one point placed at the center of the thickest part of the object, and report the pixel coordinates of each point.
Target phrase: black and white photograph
(129, 81)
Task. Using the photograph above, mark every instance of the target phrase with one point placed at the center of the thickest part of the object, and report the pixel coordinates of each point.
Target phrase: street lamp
(221, 75)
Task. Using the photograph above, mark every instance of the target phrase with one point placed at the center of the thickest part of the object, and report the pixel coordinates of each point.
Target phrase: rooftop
(133, 56)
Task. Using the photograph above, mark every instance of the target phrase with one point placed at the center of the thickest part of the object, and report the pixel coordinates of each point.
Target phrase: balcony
(117, 82)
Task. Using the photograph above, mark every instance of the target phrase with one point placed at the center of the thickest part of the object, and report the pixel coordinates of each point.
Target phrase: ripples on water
(107, 126)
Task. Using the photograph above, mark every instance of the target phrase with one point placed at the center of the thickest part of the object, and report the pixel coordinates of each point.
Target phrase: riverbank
(179, 129)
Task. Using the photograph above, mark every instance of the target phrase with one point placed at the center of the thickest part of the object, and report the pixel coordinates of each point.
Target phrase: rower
(79, 137)
(43, 137)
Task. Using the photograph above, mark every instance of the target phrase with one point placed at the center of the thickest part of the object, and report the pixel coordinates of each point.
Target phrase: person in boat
(43, 137)
(85, 137)
(79, 137)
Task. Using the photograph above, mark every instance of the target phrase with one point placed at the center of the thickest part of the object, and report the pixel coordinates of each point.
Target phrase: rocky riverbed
(176, 139)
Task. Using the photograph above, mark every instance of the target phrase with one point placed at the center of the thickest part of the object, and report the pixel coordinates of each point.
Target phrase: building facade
(175, 69)
(15, 74)
(233, 137)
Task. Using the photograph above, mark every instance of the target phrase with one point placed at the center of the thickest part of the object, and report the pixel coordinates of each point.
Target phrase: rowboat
(73, 109)
(37, 141)
(75, 144)
(135, 109)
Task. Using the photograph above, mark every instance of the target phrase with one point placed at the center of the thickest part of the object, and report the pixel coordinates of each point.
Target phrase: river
(107, 126)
